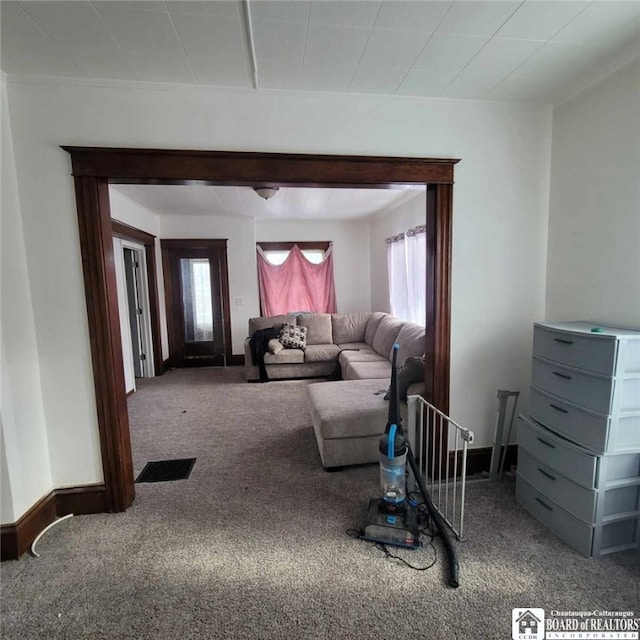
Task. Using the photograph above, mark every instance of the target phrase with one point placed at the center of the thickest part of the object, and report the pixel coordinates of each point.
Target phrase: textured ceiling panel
(467, 49)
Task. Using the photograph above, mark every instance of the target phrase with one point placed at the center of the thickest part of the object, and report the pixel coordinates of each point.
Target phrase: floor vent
(166, 470)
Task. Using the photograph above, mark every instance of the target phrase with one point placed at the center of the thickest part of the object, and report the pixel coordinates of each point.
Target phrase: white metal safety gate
(440, 448)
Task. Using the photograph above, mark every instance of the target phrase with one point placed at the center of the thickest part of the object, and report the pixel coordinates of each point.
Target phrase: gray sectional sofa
(351, 346)
(349, 414)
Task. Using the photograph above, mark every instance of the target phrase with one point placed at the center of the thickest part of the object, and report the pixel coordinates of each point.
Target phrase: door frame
(94, 168)
(144, 317)
(174, 308)
(148, 241)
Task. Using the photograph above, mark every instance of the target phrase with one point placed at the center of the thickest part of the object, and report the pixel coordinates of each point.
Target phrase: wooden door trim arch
(94, 168)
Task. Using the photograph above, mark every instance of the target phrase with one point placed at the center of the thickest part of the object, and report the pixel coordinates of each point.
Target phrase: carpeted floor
(253, 544)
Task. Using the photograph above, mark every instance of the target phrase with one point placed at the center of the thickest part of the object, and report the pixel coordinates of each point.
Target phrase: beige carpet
(253, 544)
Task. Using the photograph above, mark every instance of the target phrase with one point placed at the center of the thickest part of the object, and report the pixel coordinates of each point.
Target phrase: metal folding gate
(440, 448)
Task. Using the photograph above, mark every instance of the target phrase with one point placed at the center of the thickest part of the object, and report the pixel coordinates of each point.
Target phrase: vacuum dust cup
(392, 479)
(393, 461)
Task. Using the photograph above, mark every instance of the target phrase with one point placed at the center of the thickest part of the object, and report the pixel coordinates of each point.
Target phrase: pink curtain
(296, 284)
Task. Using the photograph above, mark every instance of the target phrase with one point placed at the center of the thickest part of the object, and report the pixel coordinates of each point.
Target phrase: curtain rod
(410, 232)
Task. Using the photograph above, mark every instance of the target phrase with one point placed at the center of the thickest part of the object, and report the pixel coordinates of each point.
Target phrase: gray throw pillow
(293, 336)
(411, 371)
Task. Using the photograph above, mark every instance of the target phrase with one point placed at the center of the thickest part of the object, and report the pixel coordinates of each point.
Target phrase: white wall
(25, 471)
(391, 223)
(500, 218)
(594, 218)
(350, 254)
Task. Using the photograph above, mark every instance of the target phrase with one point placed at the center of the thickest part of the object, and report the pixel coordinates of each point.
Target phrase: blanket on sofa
(259, 344)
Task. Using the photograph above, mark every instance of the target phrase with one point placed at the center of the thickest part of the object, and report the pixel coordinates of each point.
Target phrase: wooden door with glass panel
(197, 298)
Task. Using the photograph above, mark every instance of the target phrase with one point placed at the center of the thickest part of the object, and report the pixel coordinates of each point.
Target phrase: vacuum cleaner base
(399, 530)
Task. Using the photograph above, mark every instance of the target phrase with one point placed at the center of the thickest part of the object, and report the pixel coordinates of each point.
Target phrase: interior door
(132, 279)
(196, 283)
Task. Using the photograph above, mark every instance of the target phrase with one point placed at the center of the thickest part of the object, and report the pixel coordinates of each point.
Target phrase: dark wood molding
(479, 460)
(236, 360)
(442, 308)
(126, 231)
(122, 230)
(174, 308)
(94, 168)
(96, 241)
(17, 538)
(169, 166)
(83, 500)
(226, 303)
(191, 243)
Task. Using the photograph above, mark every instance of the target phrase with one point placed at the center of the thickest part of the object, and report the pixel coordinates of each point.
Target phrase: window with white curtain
(397, 269)
(406, 261)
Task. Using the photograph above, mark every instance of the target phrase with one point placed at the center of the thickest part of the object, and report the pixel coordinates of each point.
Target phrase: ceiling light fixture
(266, 192)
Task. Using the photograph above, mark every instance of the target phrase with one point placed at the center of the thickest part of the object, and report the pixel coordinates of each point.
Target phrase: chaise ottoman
(348, 419)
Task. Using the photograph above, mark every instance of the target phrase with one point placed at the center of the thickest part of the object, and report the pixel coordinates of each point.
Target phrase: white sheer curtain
(397, 269)
(416, 240)
(406, 262)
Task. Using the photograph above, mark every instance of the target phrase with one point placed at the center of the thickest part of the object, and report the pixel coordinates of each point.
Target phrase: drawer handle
(547, 444)
(563, 341)
(544, 473)
(561, 375)
(557, 408)
(544, 504)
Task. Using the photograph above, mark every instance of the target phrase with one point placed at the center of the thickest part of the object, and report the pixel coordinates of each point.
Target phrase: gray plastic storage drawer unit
(579, 443)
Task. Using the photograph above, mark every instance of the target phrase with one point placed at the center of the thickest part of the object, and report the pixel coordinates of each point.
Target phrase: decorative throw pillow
(275, 346)
(411, 371)
(293, 336)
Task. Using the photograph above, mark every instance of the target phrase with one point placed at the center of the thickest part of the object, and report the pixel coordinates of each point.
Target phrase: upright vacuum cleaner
(392, 518)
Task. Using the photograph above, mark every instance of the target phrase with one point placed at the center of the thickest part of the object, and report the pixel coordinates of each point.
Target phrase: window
(296, 277)
(406, 266)
(278, 256)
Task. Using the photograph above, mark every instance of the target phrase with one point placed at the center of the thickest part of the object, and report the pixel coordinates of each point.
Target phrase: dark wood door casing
(94, 168)
(216, 251)
(122, 230)
(96, 244)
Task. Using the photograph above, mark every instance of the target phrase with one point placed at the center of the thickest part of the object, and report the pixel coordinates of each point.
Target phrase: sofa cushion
(412, 342)
(359, 356)
(286, 356)
(379, 369)
(293, 336)
(355, 346)
(372, 325)
(256, 324)
(349, 327)
(318, 327)
(347, 409)
(321, 352)
(386, 335)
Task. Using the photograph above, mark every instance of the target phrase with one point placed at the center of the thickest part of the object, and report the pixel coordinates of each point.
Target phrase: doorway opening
(197, 300)
(95, 168)
(135, 310)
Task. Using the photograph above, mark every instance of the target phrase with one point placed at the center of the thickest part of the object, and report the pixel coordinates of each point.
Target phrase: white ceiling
(536, 50)
(290, 203)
